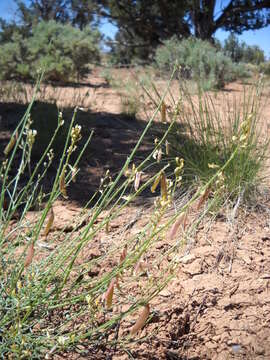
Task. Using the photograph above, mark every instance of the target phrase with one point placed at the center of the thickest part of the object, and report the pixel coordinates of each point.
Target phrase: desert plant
(198, 60)
(47, 297)
(206, 137)
(62, 50)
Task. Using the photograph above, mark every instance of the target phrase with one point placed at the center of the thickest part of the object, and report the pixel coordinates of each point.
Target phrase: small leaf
(49, 223)
(29, 256)
(141, 320)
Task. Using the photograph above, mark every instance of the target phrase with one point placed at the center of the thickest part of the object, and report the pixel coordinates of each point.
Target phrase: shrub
(62, 50)
(198, 60)
(265, 68)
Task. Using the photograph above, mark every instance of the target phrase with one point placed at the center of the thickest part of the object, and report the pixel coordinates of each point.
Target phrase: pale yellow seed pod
(62, 183)
(49, 223)
(11, 144)
(155, 184)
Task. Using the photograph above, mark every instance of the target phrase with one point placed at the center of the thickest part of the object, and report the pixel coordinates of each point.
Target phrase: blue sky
(259, 37)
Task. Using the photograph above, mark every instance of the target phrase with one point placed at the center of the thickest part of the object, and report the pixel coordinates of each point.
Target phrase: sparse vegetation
(47, 296)
(134, 216)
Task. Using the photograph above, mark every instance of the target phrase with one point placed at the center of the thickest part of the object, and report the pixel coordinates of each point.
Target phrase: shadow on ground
(115, 135)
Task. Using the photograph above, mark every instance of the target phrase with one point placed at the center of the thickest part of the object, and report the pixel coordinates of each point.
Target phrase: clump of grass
(49, 302)
(206, 133)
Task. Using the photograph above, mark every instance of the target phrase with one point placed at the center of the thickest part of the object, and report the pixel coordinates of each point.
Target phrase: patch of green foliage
(62, 50)
(241, 52)
(200, 61)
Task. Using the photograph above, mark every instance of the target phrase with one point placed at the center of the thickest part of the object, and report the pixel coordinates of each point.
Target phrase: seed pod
(203, 198)
(163, 186)
(29, 256)
(123, 255)
(107, 227)
(141, 320)
(137, 180)
(62, 183)
(167, 146)
(49, 223)
(155, 185)
(11, 144)
(159, 155)
(109, 294)
(175, 227)
(163, 112)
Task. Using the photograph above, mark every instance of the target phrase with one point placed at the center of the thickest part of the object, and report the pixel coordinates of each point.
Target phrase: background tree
(147, 24)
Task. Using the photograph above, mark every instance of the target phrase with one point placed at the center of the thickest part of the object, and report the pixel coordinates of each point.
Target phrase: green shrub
(265, 68)
(198, 60)
(62, 50)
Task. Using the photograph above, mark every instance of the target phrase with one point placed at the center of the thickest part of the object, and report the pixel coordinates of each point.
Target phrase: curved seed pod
(163, 112)
(123, 254)
(107, 227)
(109, 294)
(203, 198)
(137, 180)
(159, 155)
(163, 186)
(155, 185)
(49, 223)
(62, 183)
(175, 227)
(11, 144)
(29, 256)
(167, 146)
(141, 320)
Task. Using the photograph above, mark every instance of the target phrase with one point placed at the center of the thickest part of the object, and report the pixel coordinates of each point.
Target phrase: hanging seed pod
(167, 147)
(163, 112)
(137, 180)
(29, 256)
(107, 227)
(109, 294)
(141, 320)
(155, 185)
(123, 255)
(62, 183)
(163, 186)
(49, 223)
(11, 144)
(175, 227)
(203, 198)
(159, 155)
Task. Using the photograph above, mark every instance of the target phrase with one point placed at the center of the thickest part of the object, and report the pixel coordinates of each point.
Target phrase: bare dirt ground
(218, 306)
